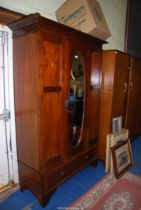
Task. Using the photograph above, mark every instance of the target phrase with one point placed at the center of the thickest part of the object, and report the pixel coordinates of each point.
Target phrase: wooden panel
(26, 99)
(93, 113)
(52, 89)
(51, 125)
(120, 88)
(115, 74)
(29, 178)
(53, 179)
(108, 69)
(138, 118)
(51, 61)
(93, 103)
(105, 120)
(133, 111)
(95, 69)
(106, 96)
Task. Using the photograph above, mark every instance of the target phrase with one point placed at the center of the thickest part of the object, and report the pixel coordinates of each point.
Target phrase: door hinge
(3, 38)
(5, 116)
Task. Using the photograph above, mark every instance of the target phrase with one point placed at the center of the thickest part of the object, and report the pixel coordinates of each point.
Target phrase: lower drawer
(59, 175)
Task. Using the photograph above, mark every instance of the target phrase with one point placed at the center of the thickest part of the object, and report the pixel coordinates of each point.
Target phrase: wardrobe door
(106, 93)
(82, 82)
(75, 96)
(133, 116)
(120, 88)
(136, 64)
(26, 100)
(114, 89)
(51, 50)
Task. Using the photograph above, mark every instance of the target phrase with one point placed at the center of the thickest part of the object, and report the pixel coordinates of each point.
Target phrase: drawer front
(58, 176)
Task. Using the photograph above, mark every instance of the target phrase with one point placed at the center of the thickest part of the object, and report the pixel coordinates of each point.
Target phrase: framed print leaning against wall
(116, 124)
(122, 157)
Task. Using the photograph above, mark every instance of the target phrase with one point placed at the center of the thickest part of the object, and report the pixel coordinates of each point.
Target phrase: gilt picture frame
(122, 157)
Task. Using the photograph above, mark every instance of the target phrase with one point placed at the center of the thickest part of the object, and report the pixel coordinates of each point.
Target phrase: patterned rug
(112, 194)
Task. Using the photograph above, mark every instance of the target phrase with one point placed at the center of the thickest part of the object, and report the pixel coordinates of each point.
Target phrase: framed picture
(116, 124)
(122, 157)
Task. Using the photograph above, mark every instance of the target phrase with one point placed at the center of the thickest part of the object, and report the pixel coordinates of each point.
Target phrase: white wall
(46, 8)
(114, 11)
(115, 14)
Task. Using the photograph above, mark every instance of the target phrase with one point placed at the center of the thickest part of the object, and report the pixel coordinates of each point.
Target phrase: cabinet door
(81, 96)
(51, 68)
(120, 88)
(114, 82)
(75, 91)
(93, 106)
(133, 116)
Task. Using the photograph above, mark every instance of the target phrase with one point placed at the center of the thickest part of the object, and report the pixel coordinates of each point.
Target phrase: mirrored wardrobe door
(76, 100)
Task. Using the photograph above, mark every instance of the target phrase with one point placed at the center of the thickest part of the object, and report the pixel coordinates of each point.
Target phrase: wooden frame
(116, 124)
(122, 158)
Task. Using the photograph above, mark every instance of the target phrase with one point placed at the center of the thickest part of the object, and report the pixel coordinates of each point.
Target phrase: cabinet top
(35, 22)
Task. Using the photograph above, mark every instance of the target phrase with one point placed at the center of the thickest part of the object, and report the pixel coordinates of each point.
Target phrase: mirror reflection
(76, 100)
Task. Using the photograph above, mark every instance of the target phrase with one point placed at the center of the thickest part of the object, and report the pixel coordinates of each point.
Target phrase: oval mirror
(76, 100)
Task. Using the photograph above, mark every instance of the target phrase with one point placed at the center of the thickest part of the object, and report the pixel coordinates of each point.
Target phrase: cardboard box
(84, 15)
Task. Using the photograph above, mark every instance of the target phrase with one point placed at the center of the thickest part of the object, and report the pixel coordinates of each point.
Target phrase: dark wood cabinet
(133, 112)
(114, 89)
(54, 141)
(120, 95)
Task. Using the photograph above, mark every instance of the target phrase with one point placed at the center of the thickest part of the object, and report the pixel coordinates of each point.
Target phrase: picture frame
(122, 157)
(116, 124)
(111, 140)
